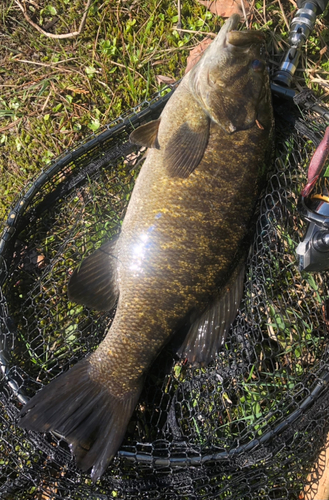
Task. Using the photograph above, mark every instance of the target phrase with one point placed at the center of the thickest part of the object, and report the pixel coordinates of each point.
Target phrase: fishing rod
(301, 27)
(313, 250)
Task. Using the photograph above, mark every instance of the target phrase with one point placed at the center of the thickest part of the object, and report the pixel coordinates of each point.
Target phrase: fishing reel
(313, 250)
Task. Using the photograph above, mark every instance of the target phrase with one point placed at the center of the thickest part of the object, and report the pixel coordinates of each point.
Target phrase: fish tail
(92, 420)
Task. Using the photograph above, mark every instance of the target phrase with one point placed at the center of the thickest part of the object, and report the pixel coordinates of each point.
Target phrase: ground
(56, 91)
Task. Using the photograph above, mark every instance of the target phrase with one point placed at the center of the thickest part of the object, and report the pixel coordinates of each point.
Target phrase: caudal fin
(92, 420)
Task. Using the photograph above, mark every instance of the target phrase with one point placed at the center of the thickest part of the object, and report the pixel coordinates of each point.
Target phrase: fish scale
(220, 240)
(178, 261)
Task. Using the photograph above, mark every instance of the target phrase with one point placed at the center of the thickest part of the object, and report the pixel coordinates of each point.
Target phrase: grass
(54, 93)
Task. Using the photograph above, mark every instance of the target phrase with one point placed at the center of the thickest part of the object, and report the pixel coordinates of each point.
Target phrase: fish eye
(257, 65)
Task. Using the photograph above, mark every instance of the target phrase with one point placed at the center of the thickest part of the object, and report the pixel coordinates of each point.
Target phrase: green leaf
(51, 10)
(47, 156)
(94, 125)
(311, 282)
(58, 107)
(90, 70)
(148, 26)
(177, 370)
(130, 24)
(18, 144)
(109, 48)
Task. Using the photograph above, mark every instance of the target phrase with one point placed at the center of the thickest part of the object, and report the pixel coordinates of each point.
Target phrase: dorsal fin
(146, 135)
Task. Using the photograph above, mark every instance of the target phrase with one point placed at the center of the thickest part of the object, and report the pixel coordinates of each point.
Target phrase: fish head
(231, 80)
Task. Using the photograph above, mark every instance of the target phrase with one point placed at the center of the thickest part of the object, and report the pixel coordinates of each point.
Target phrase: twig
(51, 65)
(46, 102)
(52, 35)
(123, 66)
(121, 32)
(283, 14)
(34, 3)
(320, 81)
(264, 11)
(45, 65)
(54, 66)
(244, 13)
(174, 49)
(179, 9)
(7, 127)
(12, 124)
(196, 32)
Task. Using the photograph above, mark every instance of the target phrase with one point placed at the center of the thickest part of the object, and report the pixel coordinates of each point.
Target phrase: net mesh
(252, 424)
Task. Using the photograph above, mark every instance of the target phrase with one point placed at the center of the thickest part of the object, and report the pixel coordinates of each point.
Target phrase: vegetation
(56, 91)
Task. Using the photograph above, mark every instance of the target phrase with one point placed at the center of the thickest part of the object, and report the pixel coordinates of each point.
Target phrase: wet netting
(249, 426)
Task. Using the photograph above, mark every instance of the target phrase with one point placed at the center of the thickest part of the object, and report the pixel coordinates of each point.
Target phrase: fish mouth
(231, 24)
(229, 36)
(245, 38)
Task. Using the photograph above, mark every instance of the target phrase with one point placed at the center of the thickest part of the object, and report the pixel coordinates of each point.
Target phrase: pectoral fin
(93, 283)
(207, 334)
(146, 135)
(186, 148)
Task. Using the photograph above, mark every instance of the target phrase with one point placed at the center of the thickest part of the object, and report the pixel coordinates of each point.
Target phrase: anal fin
(93, 283)
(207, 334)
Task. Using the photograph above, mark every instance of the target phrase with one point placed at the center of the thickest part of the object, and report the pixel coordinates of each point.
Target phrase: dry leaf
(133, 158)
(325, 311)
(156, 63)
(41, 261)
(165, 79)
(197, 52)
(225, 8)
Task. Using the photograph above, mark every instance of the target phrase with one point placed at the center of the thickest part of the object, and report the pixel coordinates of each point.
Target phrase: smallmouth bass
(177, 261)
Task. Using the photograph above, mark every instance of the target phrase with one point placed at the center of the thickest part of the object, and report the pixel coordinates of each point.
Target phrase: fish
(178, 262)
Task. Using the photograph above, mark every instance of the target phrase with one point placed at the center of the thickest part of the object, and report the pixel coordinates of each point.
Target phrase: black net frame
(253, 423)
